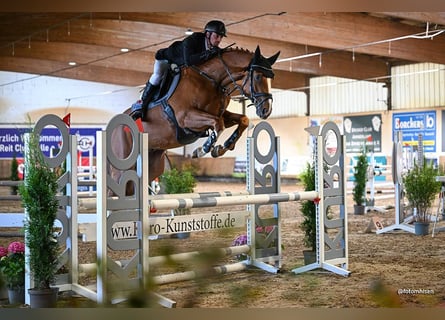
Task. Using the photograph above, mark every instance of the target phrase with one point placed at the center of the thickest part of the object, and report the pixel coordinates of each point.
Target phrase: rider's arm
(194, 51)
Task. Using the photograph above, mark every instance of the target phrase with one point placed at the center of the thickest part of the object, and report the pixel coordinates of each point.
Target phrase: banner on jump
(179, 224)
(412, 124)
(12, 140)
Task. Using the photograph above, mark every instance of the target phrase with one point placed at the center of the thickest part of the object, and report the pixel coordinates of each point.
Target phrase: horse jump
(262, 186)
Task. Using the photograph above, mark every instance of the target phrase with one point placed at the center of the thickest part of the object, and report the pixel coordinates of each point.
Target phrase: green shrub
(175, 181)
(421, 188)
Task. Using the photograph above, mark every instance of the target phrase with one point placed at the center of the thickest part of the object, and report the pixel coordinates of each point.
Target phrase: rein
(255, 96)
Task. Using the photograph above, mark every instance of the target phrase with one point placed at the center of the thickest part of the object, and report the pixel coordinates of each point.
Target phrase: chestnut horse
(196, 107)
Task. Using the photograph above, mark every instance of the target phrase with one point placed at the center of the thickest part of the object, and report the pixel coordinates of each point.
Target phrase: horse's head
(256, 86)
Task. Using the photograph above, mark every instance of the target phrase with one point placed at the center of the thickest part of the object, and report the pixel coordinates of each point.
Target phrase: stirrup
(136, 110)
(136, 114)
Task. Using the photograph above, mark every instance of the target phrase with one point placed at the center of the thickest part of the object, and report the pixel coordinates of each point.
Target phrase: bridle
(257, 98)
(254, 97)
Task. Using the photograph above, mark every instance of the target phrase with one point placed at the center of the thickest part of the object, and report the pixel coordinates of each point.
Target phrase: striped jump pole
(180, 257)
(189, 275)
(197, 195)
(233, 200)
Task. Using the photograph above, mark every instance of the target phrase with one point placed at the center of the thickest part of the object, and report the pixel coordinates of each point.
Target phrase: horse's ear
(273, 58)
(257, 52)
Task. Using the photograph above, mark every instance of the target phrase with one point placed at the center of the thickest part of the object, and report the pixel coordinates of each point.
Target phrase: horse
(195, 106)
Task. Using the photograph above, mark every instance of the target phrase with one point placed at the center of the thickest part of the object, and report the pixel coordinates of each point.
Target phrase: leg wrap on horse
(209, 142)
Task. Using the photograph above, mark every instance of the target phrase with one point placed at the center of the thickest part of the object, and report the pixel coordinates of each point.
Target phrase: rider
(193, 50)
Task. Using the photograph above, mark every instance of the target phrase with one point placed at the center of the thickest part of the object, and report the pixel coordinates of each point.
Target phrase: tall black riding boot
(139, 108)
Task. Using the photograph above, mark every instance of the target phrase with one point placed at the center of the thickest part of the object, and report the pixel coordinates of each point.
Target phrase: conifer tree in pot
(14, 174)
(308, 209)
(360, 177)
(38, 193)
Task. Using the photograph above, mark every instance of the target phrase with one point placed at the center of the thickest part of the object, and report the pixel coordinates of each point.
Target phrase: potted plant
(421, 188)
(38, 193)
(360, 177)
(308, 209)
(12, 268)
(14, 174)
(175, 181)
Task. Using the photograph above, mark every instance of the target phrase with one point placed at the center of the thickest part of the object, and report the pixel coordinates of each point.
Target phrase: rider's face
(215, 39)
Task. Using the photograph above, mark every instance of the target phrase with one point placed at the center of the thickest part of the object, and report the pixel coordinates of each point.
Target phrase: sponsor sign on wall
(363, 131)
(413, 124)
(12, 141)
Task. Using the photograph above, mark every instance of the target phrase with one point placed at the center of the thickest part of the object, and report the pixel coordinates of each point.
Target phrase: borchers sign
(413, 124)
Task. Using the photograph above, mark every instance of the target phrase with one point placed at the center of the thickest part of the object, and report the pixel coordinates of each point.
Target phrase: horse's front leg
(231, 119)
(200, 121)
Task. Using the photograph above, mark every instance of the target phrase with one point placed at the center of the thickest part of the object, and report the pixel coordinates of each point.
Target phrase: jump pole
(232, 201)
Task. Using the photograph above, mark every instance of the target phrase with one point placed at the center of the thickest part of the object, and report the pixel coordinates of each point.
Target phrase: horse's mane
(229, 49)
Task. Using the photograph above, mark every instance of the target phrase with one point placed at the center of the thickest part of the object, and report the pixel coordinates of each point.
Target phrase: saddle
(168, 86)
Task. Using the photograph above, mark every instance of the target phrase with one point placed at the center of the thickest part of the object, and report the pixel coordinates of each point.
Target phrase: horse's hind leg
(231, 119)
(156, 163)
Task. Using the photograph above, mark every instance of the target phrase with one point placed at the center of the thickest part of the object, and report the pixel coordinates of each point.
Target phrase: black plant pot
(16, 295)
(45, 298)
(359, 209)
(309, 257)
(421, 228)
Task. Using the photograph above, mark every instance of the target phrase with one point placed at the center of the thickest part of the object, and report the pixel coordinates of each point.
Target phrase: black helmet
(217, 27)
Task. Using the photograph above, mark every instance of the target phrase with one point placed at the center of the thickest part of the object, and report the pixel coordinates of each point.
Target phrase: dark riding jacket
(190, 51)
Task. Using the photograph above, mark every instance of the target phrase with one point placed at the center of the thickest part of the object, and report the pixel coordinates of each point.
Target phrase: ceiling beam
(336, 31)
(122, 77)
(45, 42)
(424, 17)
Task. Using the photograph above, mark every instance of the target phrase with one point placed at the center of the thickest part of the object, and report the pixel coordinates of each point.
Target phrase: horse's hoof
(217, 151)
(198, 153)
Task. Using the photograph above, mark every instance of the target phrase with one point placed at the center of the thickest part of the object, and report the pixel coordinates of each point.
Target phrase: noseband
(255, 96)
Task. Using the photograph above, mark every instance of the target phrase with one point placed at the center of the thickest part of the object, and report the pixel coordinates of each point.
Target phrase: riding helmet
(216, 26)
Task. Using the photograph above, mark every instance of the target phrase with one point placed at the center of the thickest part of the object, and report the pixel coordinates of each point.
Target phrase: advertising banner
(12, 140)
(363, 131)
(412, 124)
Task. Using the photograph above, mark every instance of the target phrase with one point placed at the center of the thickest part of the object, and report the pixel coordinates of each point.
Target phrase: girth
(169, 85)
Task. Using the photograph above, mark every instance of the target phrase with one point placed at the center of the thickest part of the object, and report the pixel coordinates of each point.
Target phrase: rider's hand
(208, 54)
(215, 51)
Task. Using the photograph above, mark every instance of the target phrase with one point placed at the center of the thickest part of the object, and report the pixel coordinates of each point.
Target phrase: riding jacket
(190, 51)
